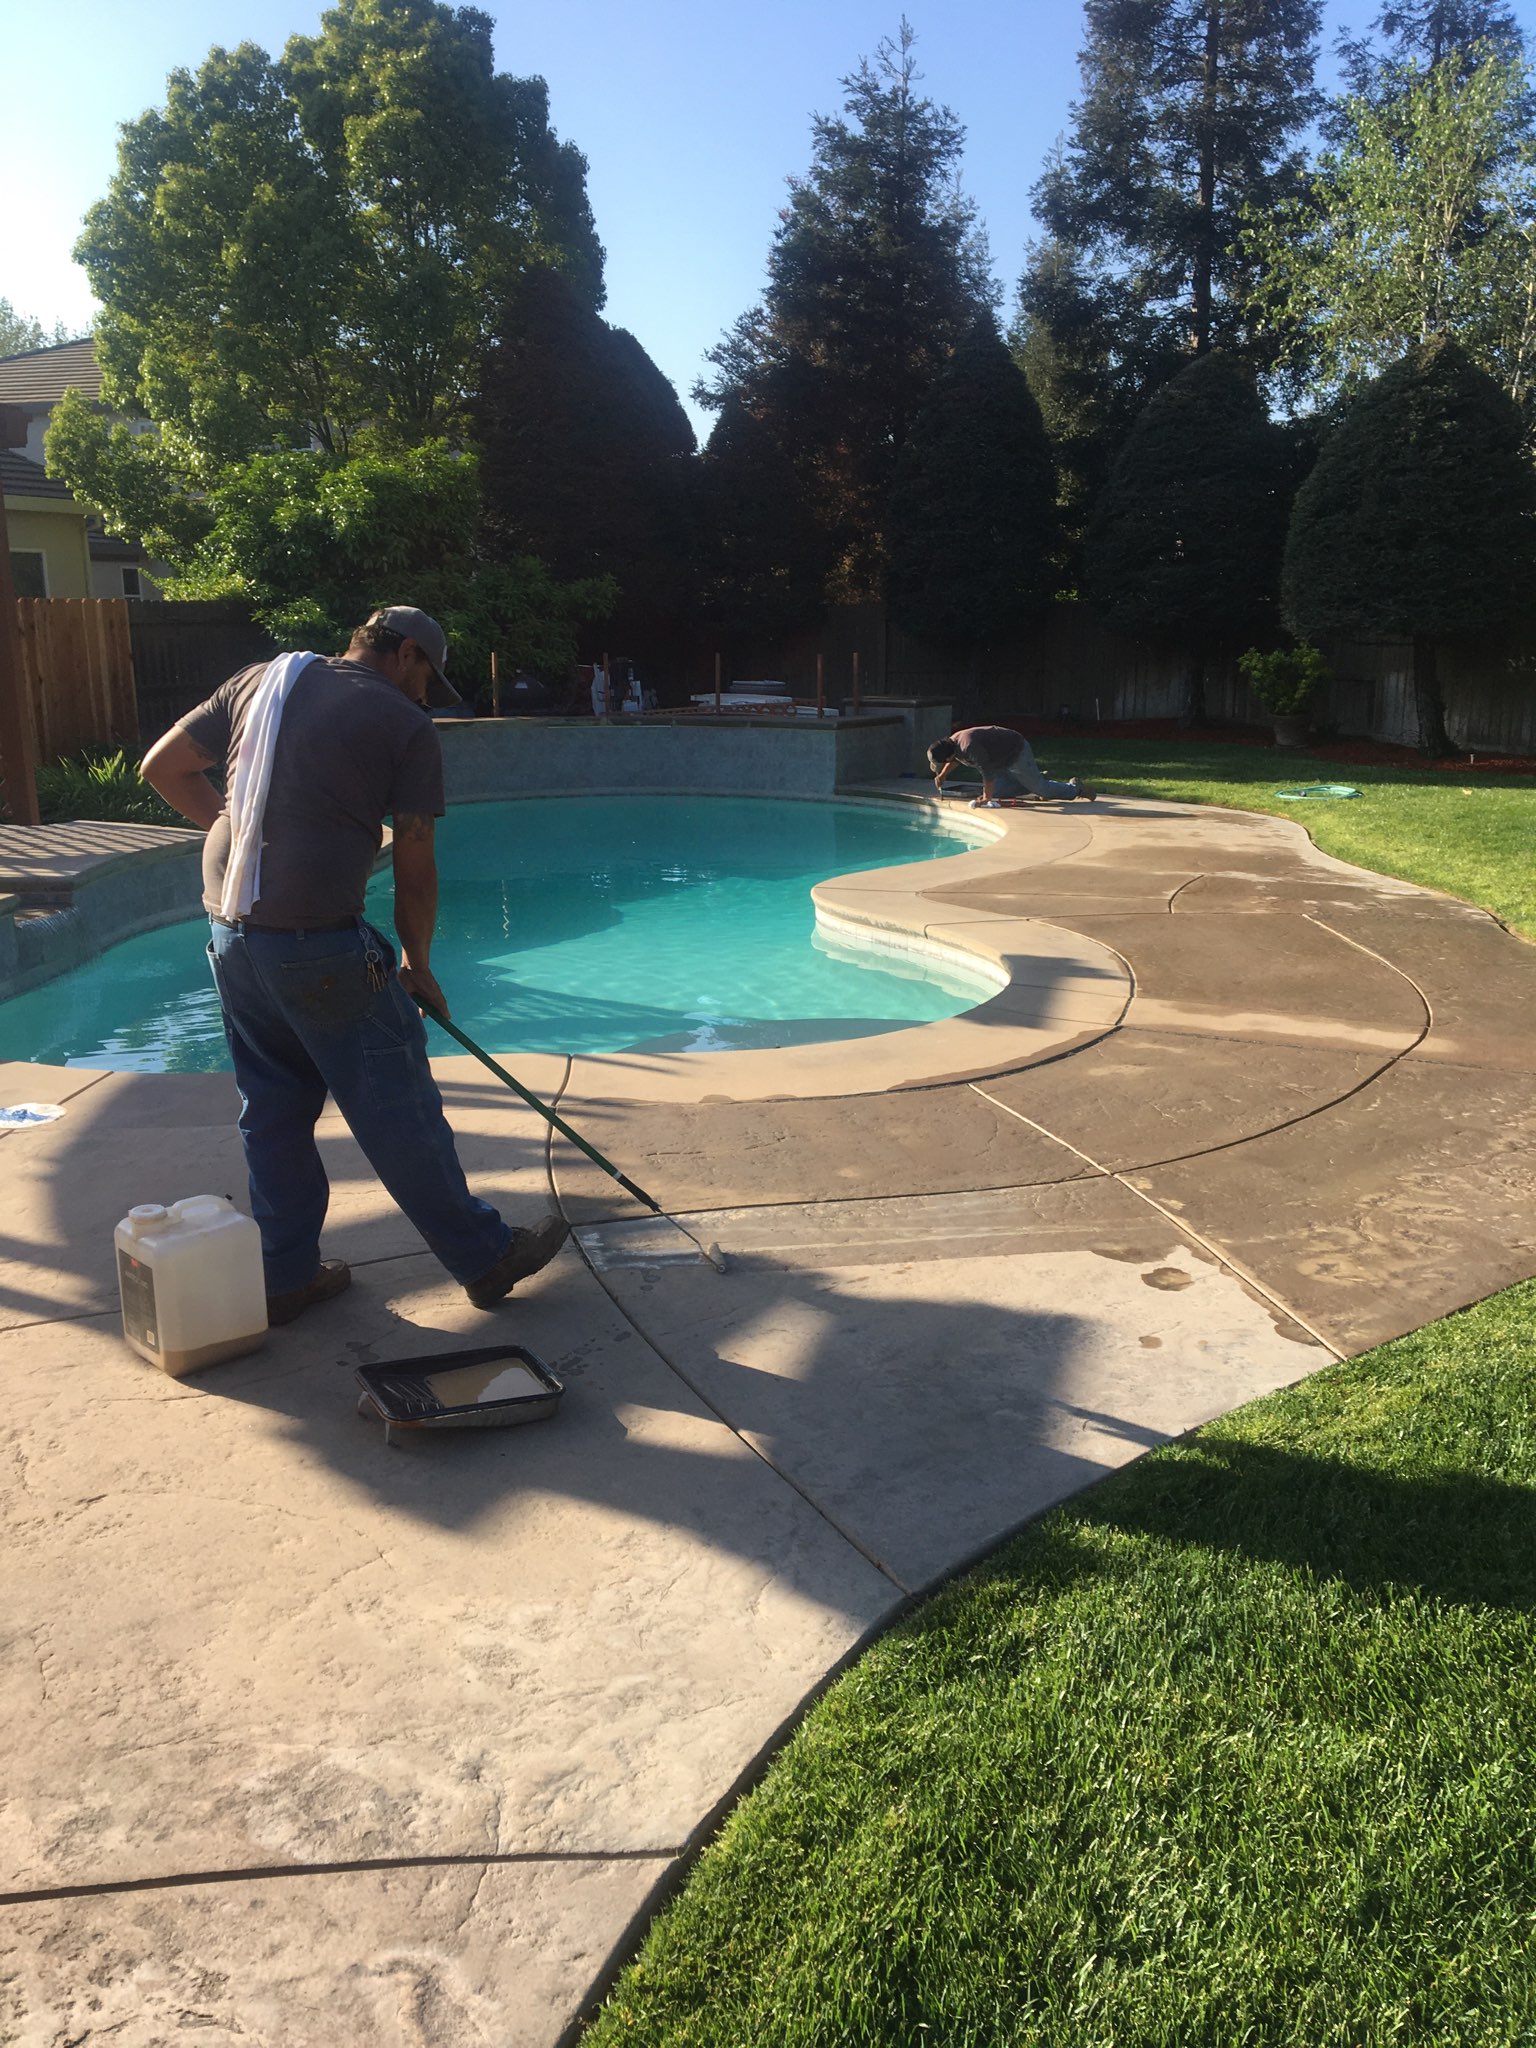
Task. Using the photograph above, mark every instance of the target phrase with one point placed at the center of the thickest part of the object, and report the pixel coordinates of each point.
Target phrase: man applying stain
(1006, 763)
(313, 1003)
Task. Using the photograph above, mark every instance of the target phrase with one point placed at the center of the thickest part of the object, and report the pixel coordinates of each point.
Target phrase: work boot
(529, 1251)
(333, 1278)
(1089, 796)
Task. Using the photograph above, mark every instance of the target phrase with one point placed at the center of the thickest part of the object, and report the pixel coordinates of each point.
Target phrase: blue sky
(691, 112)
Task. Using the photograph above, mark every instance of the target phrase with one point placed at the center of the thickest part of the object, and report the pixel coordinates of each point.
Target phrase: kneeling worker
(317, 753)
(1006, 762)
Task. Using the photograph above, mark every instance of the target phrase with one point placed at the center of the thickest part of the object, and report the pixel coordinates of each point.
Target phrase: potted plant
(1285, 681)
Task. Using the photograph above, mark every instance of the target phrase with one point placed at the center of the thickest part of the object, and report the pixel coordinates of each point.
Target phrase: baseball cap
(429, 636)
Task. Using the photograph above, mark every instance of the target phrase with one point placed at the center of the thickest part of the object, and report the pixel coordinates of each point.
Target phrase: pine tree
(760, 561)
(1187, 538)
(1418, 520)
(876, 272)
(585, 455)
(1422, 33)
(972, 521)
(1190, 115)
(1088, 352)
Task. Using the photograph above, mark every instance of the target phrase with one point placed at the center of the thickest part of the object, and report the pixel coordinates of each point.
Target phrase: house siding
(59, 531)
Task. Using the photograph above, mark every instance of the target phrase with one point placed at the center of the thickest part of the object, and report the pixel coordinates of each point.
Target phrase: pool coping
(1032, 1016)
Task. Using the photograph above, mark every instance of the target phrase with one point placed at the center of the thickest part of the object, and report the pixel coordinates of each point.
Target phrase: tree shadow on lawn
(1456, 1536)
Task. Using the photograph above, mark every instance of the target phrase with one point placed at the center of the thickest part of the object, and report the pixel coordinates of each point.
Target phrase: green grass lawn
(1234, 1751)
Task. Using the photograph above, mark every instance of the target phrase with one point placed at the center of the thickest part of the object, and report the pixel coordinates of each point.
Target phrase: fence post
(18, 756)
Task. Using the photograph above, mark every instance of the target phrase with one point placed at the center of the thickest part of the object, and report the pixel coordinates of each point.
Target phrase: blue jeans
(1024, 775)
(312, 1013)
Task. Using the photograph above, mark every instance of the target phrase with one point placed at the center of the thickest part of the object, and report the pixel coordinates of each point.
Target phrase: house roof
(24, 479)
(41, 376)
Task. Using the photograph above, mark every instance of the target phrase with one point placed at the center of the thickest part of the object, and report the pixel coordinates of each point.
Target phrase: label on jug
(136, 1283)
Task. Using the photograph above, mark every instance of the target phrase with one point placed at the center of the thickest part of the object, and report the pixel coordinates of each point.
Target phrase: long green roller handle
(543, 1109)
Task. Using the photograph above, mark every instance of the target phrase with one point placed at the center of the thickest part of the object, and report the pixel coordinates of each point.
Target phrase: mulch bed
(1353, 753)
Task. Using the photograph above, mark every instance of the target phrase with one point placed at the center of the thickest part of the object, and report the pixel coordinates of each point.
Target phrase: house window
(131, 583)
(29, 572)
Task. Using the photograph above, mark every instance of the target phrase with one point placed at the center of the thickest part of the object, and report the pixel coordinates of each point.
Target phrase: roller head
(715, 1256)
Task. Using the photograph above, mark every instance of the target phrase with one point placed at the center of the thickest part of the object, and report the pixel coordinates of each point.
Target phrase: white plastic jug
(191, 1282)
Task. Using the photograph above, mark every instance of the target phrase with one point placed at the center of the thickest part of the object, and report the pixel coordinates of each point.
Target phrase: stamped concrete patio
(316, 1742)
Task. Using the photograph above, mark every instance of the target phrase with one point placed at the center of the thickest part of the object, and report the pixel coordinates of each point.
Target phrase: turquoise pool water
(572, 924)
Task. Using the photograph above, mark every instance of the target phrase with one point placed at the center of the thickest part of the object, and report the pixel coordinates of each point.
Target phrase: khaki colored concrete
(921, 1142)
(463, 1957)
(1303, 983)
(247, 1633)
(1208, 1133)
(24, 1081)
(1411, 1199)
(995, 1037)
(1138, 1097)
(1065, 892)
(1480, 989)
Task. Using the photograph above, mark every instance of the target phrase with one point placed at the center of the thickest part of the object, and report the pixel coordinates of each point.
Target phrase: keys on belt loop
(378, 976)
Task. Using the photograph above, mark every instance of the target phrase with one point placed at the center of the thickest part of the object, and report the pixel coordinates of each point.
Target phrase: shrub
(100, 785)
(1286, 680)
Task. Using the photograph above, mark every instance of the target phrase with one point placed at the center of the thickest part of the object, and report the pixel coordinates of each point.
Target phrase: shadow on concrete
(157, 1138)
(919, 1443)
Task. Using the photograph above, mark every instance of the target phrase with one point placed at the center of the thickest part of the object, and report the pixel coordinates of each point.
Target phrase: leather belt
(283, 931)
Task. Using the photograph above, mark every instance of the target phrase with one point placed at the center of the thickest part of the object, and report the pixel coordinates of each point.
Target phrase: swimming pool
(574, 924)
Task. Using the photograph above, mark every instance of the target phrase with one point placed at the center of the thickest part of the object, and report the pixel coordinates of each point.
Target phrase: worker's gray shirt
(990, 748)
(352, 750)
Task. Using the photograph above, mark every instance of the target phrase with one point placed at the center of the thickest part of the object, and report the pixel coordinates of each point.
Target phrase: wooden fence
(77, 673)
(119, 671)
(183, 651)
(1067, 664)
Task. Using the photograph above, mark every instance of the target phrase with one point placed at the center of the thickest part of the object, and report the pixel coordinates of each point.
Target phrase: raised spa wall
(67, 892)
(484, 758)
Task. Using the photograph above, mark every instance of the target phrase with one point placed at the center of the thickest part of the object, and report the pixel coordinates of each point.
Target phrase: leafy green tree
(311, 543)
(1186, 541)
(1418, 520)
(876, 272)
(1190, 116)
(586, 454)
(137, 482)
(972, 523)
(1422, 222)
(304, 250)
(760, 562)
(19, 332)
(452, 180)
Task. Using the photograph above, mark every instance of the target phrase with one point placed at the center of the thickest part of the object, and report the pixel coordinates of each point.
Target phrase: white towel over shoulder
(247, 796)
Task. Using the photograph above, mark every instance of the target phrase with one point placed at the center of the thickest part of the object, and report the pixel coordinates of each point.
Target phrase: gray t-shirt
(352, 750)
(991, 748)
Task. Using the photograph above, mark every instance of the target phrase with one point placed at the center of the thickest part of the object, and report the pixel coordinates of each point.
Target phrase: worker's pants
(1024, 775)
(305, 1017)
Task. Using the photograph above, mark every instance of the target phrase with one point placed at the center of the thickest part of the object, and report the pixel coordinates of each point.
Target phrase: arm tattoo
(414, 825)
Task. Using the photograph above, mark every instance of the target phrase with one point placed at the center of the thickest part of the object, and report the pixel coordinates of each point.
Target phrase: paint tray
(494, 1387)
